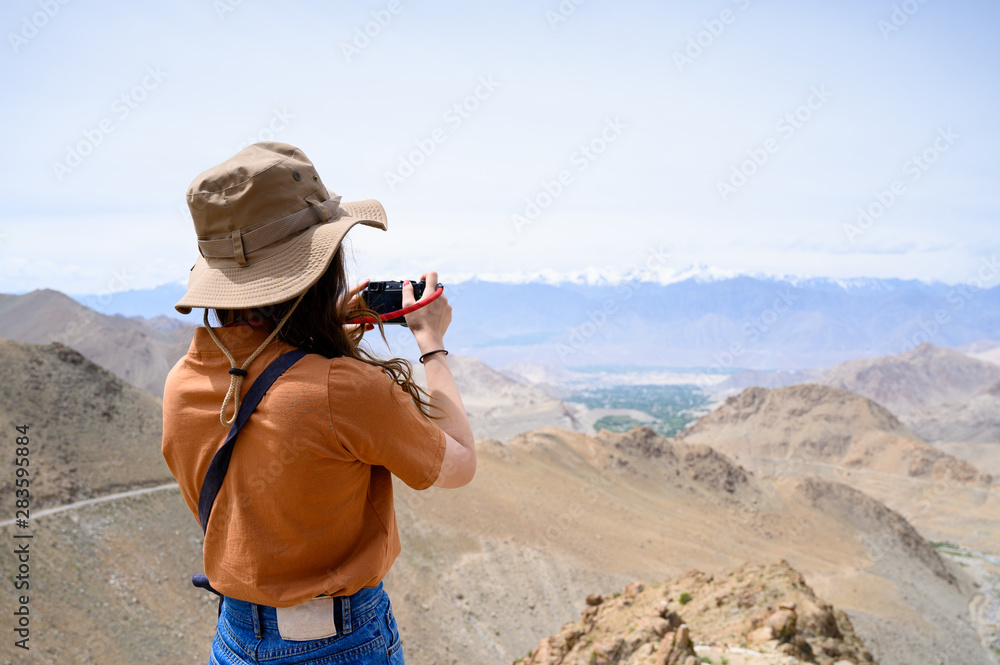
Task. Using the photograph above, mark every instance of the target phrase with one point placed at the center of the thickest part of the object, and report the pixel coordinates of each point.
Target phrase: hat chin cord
(236, 374)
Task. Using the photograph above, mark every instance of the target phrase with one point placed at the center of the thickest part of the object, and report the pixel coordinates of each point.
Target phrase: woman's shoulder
(361, 388)
(356, 375)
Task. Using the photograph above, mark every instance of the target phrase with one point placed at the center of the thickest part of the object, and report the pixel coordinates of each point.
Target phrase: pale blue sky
(199, 82)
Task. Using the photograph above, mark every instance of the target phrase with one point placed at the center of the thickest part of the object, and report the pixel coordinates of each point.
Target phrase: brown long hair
(317, 326)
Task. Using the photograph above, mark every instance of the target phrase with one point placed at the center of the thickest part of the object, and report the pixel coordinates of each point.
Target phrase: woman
(297, 504)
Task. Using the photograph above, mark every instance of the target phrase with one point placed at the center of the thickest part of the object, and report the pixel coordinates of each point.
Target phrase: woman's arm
(428, 325)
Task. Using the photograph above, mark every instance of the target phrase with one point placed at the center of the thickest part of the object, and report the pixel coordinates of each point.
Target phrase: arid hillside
(809, 431)
(975, 419)
(139, 353)
(111, 584)
(823, 425)
(950, 399)
(571, 514)
(921, 377)
(552, 517)
(911, 385)
(90, 433)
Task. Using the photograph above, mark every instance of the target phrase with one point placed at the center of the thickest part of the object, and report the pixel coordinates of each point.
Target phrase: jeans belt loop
(255, 613)
(345, 614)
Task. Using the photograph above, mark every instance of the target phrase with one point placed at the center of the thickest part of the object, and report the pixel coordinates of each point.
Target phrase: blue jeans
(366, 634)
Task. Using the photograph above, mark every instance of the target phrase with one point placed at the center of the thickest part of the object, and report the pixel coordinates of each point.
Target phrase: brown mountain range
(551, 517)
(975, 419)
(905, 383)
(816, 431)
(823, 425)
(138, 353)
(570, 514)
(949, 399)
(921, 377)
(142, 351)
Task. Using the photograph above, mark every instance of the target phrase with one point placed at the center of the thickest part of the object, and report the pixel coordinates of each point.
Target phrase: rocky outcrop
(762, 614)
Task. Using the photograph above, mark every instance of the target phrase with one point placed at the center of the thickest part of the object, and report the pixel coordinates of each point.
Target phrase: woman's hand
(429, 323)
(349, 301)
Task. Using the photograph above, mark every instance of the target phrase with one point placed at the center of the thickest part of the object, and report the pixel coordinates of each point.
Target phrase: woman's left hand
(349, 301)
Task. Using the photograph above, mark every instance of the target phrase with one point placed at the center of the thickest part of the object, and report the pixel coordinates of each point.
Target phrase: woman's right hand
(429, 323)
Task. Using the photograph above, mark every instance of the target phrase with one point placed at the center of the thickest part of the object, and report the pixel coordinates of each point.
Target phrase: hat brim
(283, 275)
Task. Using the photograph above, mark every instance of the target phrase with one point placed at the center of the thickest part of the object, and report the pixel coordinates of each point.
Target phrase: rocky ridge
(886, 531)
(915, 379)
(824, 425)
(754, 614)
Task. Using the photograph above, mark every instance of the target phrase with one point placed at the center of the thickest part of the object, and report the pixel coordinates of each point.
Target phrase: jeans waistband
(349, 611)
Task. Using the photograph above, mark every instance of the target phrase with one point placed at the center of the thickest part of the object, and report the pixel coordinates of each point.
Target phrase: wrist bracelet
(431, 353)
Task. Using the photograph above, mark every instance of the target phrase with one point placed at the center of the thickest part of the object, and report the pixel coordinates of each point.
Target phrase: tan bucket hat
(267, 228)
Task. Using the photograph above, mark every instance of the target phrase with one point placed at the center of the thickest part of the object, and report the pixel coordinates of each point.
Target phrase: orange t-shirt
(306, 506)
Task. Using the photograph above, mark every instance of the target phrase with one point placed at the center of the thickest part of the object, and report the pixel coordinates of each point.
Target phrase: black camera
(385, 297)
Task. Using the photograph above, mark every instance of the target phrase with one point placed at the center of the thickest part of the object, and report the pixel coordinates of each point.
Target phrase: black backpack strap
(220, 462)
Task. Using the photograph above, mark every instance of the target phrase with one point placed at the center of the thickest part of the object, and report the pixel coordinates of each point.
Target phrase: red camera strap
(401, 312)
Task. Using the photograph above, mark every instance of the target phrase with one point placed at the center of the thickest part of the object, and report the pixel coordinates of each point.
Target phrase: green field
(673, 407)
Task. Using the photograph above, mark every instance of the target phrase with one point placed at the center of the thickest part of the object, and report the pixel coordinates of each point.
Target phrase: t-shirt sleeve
(377, 422)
